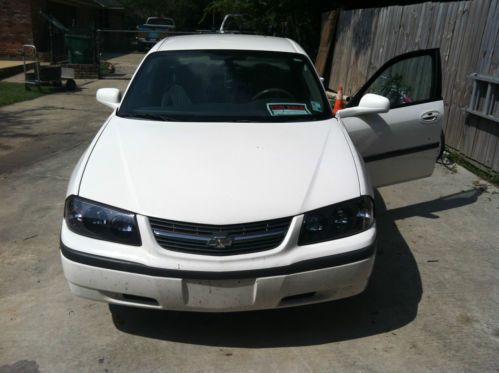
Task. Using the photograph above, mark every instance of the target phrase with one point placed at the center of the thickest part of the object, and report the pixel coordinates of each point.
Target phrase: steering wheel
(270, 90)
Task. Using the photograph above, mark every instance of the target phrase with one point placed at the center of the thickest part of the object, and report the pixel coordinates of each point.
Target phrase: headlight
(336, 221)
(94, 220)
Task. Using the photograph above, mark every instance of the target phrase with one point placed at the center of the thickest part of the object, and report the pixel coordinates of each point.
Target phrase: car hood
(220, 173)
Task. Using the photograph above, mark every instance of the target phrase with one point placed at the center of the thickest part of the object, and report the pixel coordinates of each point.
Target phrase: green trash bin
(80, 48)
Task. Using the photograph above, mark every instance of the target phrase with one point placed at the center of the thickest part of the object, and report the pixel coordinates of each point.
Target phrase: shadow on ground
(390, 301)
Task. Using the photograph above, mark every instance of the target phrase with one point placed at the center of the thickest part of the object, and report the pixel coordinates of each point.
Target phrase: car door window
(407, 80)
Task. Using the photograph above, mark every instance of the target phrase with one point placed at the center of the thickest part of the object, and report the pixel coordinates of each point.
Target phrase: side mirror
(369, 104)
(323, 81)
(109, 96)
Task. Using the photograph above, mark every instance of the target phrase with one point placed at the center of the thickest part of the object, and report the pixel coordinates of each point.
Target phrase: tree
(297, 19)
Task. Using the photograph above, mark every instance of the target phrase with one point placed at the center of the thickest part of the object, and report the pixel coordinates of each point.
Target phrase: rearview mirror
(369, 104)
(109, 96)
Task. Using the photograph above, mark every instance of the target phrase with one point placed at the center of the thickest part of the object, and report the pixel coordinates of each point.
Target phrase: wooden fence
(467, 33)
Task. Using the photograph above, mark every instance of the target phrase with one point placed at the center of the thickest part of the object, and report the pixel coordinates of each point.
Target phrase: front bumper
(152, 277)
(131, 284)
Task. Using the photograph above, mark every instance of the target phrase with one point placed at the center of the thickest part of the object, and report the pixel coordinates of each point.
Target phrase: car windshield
(226, 85)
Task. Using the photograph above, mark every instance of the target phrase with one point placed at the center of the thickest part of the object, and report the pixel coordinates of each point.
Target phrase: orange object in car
(339, 103)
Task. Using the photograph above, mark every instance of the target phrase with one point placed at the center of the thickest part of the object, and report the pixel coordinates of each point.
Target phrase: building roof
(228, 41)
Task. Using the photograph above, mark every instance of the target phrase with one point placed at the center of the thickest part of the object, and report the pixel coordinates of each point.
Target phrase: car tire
(70, 85)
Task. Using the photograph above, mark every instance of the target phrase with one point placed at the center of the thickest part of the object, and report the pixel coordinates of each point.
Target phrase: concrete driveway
(432, 304)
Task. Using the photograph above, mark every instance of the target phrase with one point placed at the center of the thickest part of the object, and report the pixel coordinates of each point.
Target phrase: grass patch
(15, 92)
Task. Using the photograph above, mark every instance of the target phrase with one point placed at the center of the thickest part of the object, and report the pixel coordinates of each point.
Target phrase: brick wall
(15, 26)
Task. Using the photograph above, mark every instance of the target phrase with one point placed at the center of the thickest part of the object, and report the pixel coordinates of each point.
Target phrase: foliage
(481, 171)
(297, 19)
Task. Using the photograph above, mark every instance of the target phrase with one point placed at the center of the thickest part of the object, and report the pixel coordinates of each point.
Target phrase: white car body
(222, 174)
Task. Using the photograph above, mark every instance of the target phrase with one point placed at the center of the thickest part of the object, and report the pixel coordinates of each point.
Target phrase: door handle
(430, 116)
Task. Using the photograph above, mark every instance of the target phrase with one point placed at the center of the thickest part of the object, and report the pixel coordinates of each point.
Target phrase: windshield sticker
(316, 106)
(287, 108)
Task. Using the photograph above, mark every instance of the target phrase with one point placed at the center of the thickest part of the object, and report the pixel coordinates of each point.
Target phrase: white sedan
(223, 182)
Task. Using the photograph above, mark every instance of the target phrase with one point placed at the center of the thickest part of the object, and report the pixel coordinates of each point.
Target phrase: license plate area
(219, 294)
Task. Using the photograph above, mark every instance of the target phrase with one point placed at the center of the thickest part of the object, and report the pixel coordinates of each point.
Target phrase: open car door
(399, 134)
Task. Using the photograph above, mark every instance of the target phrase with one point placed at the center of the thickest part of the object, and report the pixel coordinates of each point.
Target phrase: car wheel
(70, 85)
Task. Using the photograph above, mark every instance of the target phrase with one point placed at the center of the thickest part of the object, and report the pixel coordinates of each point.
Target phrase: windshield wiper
(150, 116)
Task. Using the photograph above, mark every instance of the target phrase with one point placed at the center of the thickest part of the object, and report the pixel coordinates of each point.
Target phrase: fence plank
(489, 49)
(327, 35)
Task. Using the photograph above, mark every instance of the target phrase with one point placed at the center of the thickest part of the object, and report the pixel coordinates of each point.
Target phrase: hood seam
(96, 140)
(350, 143)
(316, 170)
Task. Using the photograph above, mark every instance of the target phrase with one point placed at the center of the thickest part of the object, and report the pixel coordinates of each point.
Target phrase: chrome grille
(219, 239)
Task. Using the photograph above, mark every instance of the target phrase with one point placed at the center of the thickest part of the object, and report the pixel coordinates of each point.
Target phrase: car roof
(228, 41)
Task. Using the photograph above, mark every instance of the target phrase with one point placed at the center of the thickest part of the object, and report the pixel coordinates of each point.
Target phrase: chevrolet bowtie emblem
(219, 242)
